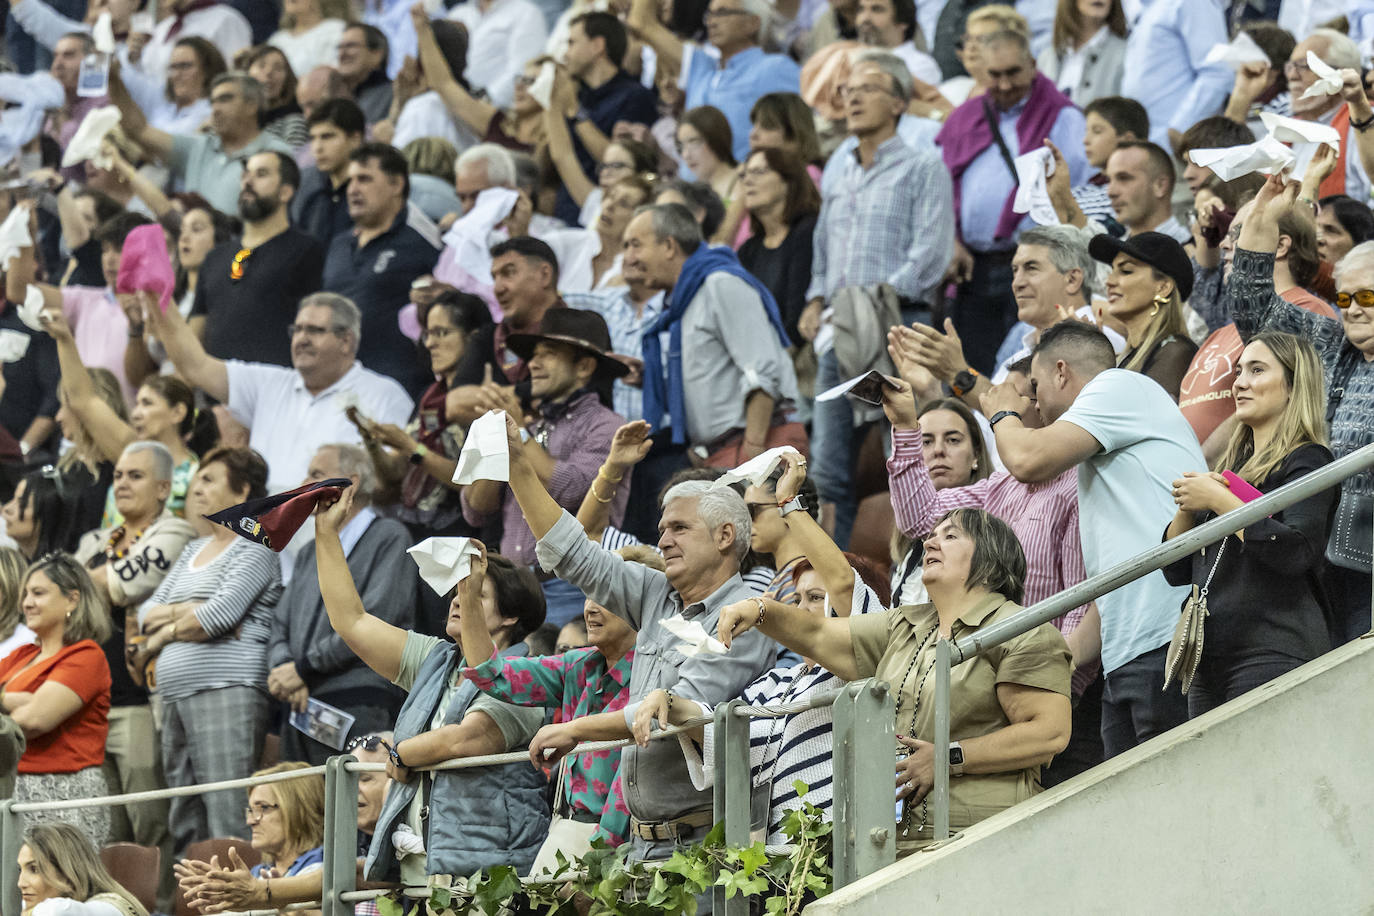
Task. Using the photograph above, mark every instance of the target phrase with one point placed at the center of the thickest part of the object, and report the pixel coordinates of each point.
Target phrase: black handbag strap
(1346, 363)
(991, 118)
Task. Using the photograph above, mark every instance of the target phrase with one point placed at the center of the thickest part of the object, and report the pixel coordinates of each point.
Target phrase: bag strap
(997, 137)
(1340, 377)
(1215, 563)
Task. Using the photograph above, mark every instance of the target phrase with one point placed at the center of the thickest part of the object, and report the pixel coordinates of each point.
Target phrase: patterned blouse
(574, 684)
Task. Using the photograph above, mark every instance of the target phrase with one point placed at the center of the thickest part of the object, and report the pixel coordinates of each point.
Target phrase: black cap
(1154, 248)
(582, 329)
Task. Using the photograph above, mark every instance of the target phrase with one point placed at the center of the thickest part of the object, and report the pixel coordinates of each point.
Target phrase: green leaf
(440, 896)
(389, 906)
(752, 858)
(800, 788)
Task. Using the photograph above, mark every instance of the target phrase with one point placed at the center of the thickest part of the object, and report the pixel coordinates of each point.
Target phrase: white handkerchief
(1267, 156)
(103, 33)
(756, 470)
(541, 90)
(14, 235)
(1032, 189)
(86, 142)
(444, 562)
(13, 345)
(32, 308)
(1291, 130)
(692, 637)
(1328, 82)
(1242, 50)
(485, 454)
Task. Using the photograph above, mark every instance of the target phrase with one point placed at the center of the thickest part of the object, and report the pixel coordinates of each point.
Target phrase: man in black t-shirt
(248, 289)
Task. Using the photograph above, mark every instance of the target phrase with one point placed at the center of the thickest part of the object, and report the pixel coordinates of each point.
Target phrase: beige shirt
(885, 646)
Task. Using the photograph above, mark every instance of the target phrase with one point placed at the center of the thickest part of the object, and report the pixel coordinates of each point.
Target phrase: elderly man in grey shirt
(704, 534)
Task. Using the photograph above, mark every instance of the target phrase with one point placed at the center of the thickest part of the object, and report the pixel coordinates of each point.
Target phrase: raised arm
(378, 643)
(1352, 90)
(106, 429)
(132, 119)
(188, 355)
(144, 189)
(478, 646)
(23, 272)
(826, 558)
(474, 112)
(644, 22)
(825, 639)
(629, 446)
(562, 106)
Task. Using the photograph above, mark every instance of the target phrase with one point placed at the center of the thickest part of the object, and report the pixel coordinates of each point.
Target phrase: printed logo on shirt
(383, 261)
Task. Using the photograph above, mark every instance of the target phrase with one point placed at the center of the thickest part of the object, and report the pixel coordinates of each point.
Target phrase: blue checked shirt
(627, 331)
(891, 223)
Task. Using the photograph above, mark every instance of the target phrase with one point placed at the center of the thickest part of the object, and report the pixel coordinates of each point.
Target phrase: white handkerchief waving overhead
(14, 235)
(32, 308)
(692, 637)
(13, 345)
(102, 33)
(1267, 156)
(1292, 130)
(85, 144)
(757, 469)
(444, 562)
(485, 454)
(1329, 79)
(541, 90)
(1240, 51)
(1032, 188)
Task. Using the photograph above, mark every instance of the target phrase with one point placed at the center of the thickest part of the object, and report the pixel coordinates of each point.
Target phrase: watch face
(956, 756)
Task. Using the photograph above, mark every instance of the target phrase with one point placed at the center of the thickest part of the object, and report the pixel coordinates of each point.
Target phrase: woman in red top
(58, 691)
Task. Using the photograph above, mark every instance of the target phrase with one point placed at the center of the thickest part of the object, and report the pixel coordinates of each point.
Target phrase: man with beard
(891, 26)
(248, 288)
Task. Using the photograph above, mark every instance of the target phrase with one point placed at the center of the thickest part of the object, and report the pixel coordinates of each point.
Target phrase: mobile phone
(869, 389)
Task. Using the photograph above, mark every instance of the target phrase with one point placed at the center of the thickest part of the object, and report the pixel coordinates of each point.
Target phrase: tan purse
(1185, 649)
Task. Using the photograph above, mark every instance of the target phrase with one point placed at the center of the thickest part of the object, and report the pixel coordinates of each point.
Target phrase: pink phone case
(1240, 488)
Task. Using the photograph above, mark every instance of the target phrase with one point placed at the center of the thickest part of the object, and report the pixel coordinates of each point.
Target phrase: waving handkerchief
(1241, 51)
(1329, 79)
(756, 470)
(444, 562)
(1267, 156)
(541, 90)
(485, 454)
(692, 637)
(465, 262)
(14, 235)
(103, 33)
(144, 265)
(1291, 130)
(85, 144)
(1032, 190)
(13, 345)
(32, 308)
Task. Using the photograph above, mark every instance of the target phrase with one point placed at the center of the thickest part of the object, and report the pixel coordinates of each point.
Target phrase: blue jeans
(832, 449)
(563, 601)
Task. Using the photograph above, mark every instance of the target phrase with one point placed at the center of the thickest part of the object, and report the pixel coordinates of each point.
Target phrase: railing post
(9, 863)
(941, 790)
(869, 825)
(733, 787)
(340, 835)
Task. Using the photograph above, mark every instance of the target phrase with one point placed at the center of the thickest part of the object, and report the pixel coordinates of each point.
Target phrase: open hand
(630, 445)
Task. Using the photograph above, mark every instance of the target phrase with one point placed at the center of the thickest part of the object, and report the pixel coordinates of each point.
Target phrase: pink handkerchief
(145, 266)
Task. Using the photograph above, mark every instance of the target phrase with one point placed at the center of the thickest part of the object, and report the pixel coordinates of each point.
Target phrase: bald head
(317, 86)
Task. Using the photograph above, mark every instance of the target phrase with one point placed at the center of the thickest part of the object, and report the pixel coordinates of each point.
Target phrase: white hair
(163, 463)
(501, 172)
(1359, 259)
(716, 506)
(353, 461)
(1341, 51)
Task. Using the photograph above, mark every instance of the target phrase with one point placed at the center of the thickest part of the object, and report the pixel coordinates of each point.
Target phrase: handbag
(1185, 649)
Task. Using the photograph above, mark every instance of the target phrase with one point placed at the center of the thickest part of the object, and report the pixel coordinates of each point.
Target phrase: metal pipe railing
(949, 653)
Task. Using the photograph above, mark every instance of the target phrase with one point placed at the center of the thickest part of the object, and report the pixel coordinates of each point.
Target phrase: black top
(1267, 594)
(785, 270)
(247, 319)
(88, 270)
(319, 209)
(620, 98)
(31, 381)
(1167, 362)
(123, 690)
(377, 278)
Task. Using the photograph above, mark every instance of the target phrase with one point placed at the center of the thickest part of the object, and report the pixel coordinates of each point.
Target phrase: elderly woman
(60, 874)
(1010, 711)
(1346, 348)
(58, 691)
(448, 821)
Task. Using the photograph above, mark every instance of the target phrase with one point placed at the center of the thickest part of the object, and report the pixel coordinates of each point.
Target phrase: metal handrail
(948, 654)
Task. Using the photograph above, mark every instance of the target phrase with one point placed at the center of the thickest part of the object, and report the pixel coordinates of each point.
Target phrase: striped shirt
(626, 324)
(236, 592)
(1044, 517)
(1091, 197)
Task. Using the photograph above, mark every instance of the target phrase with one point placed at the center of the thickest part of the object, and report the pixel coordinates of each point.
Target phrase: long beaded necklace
(110, 553)
(915, 710)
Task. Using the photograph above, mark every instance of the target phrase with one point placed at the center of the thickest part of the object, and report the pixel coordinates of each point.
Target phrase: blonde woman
(1151, 277)
(13, 632)
(1266, 607)
(60, 874)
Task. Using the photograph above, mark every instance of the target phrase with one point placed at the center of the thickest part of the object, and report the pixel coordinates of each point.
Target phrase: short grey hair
(1359, 259)
(353, 461)
(674, 221)
(500, 164)
(347, 316)
(1341, 51)
(1010, 37)
(716, 506)
(1067, 250)
(761, 10)
(249, 87)
(163, 462)
(890, 64)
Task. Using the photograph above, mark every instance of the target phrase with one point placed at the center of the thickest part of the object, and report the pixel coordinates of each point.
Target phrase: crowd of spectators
(1113, 259)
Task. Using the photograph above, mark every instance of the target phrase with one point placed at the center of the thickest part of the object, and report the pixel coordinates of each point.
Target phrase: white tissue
(1292, 130)
(444, 562)
(14, 235)
(32, 308)
(1032, 189)
(1267, 156)
(692, 637)
(757, 469)
(485, 454)
(86, 142)
(541, 90)
(1328, 82)
(407, 842)
(13, 345)
(1242, 50)
(103, 33)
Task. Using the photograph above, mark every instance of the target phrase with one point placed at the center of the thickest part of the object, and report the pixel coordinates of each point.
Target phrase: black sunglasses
(366, 742)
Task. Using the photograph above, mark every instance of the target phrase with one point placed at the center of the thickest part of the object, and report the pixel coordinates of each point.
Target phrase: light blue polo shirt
(735, 87)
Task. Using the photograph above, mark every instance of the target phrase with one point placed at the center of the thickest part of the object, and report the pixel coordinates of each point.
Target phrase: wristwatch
(792, 505)
(964, 381)
(418, 456)
(1002, 415)
(956, 759)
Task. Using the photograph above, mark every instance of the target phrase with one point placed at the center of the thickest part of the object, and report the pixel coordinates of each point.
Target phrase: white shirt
(150, 94)
(1300, 17)
(918, 63)
(316, 47)
(221, 25)
(426, 115)
(500, 42)
(287, 424)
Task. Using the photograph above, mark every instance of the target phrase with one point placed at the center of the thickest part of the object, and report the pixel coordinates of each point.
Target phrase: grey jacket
(1101, 71)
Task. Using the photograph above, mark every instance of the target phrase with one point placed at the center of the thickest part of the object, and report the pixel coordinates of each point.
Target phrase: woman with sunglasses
(1346, 348)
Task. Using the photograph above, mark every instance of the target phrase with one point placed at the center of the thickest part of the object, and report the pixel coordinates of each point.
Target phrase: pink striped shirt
(1044, 517)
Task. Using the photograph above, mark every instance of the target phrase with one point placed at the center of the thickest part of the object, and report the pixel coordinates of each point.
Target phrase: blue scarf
(662, 390)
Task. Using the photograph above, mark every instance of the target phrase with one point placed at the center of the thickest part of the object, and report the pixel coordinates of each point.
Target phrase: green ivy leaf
(752, 858)
(389, 906)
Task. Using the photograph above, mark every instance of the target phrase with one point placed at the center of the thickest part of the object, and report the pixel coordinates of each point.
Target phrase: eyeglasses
(1294, 67)
(1364, 298)
(436, 334)
(849, 92)
(254, 813)
(366, 742)
(605, 167)
(758, 172)
(311, 330)
(756, 508)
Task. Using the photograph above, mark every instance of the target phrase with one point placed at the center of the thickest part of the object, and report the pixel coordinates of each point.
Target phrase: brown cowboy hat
(581, 329)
